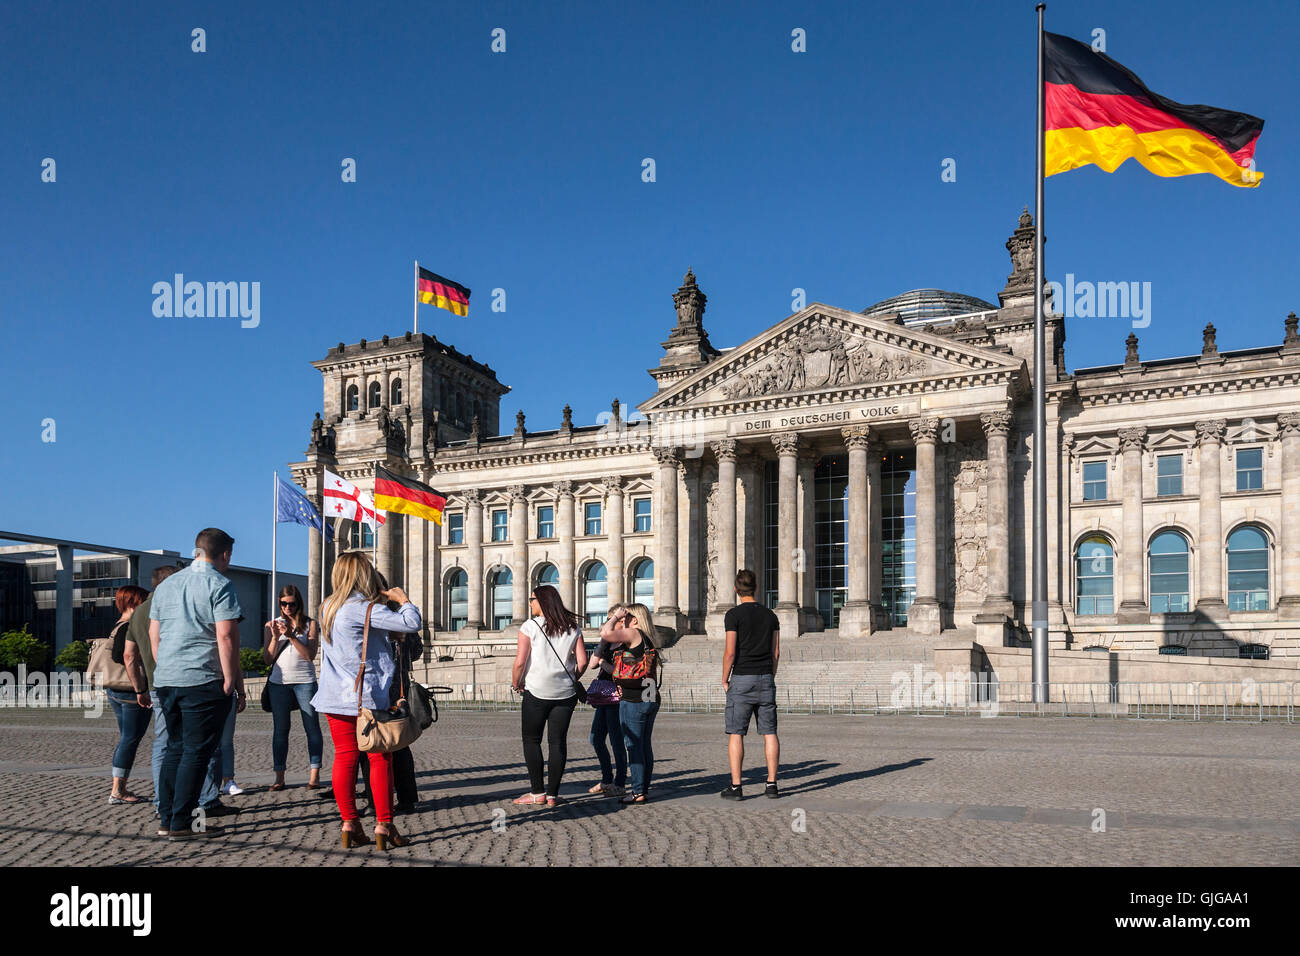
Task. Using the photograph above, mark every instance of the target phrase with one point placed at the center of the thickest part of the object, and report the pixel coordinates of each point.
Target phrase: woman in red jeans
(357, 588)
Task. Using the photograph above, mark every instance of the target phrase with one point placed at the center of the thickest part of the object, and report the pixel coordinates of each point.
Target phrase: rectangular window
(500, 528)
(1250, 469)
(591, 517)
(455, 529)
(771, 491)
(1169, 475)
(546, 522)
(1094, 481)
(641, 514)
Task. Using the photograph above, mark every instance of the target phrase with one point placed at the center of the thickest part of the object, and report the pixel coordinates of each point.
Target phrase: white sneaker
(232, 789)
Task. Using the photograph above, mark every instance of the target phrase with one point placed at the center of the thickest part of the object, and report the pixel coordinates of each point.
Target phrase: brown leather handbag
(381, 731)
(114, 675)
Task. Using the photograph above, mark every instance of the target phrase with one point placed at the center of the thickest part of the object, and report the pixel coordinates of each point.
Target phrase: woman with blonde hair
(358, 596)
(289, 645)
(636, 672)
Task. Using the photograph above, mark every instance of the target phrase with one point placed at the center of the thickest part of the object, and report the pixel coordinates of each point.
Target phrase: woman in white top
(289, 645)
(551, 653)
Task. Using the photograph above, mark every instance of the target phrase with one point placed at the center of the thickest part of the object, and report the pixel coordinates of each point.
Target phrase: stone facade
(728, 463)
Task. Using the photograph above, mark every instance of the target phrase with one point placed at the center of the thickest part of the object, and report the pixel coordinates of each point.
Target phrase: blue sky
(522, 171)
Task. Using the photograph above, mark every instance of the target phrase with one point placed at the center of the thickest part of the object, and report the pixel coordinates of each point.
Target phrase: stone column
(997, 585)
(565, 565)
(855, 616)
(385, 399)
(389, 537)
(1133, 605)
(518, 553)
(1287, 576)
(923, 616)
(64, 587)
(723, 597)
(1209, 600)
(614, 538)
(692, 551)
(787, 603)
(666, 611)
(875, 518)
(810, 619)
(473, 560)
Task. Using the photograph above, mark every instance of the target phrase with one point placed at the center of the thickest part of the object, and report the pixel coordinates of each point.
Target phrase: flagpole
(275, 525)
(324, 540)
(415, 300)
(374, 527)
(1038, 608)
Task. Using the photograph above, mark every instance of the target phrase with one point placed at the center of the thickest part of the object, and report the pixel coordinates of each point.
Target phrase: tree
(22, 647)
(250, 660)
(74, 657)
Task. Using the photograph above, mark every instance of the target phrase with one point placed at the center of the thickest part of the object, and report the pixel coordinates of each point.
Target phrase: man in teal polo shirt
(194, 634)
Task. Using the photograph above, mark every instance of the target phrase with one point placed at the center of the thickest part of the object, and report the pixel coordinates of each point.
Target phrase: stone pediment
(831, 350)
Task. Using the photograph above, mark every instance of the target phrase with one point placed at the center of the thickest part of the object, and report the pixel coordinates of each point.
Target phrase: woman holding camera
(358, 595)
(289, 645)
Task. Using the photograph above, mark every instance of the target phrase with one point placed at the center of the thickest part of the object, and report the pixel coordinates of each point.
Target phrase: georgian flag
(345, 500)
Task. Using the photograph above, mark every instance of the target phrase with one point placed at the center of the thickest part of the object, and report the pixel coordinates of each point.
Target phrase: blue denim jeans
(132, 722)
(638, 721)
(195, 718)
(282, 697)
(226, 749)
(209, 794)
(605, 723)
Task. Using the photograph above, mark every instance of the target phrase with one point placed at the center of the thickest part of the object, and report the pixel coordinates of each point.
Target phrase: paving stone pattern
(880, 791)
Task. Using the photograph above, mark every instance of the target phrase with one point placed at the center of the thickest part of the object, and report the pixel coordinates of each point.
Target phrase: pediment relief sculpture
(824, 358)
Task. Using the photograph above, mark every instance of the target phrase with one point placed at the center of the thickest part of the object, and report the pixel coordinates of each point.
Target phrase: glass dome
(920, 306)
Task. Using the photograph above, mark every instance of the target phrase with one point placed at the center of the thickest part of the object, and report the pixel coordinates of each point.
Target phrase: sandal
(555, 801)
(530, 798)
(629, 800)
(599, 788)
(275, 786)
(115, 800)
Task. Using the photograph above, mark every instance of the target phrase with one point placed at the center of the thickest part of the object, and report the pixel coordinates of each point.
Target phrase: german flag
(407, 496)
(1098, 112)
(433, 289)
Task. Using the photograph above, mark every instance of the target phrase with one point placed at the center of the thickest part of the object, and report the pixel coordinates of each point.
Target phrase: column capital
(924, 430)
(667, 455)
(1211, 432)
(996, 423)
(857, 436)
(724, 449)
(518, 493)
(471, 496)
(1288, 424)
(786, 444)
(563, 489)
(613, 484)
(1132, 439)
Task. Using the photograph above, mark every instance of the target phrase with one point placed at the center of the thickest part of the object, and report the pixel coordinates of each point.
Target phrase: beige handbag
(381, 731)
(113, 675)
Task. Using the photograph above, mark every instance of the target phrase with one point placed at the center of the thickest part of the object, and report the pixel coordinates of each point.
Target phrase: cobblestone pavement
(857, 790)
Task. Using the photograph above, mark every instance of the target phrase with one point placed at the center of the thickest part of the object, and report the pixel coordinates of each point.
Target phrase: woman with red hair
(130, 707)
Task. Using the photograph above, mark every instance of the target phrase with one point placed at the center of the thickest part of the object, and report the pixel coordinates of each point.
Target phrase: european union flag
(292, 505)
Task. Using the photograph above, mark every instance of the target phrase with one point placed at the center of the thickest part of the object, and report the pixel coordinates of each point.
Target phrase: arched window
(354, 396)
(643, 583)
(1095, 577)
(1247, 570)
(1170, 574)
(457, 599)
(501, 597)
(546, 574)
(376, 395)
(395, 392)
(360, 536)
(595, 594)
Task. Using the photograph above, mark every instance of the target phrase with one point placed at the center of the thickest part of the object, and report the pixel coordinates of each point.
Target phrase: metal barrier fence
(983, 697)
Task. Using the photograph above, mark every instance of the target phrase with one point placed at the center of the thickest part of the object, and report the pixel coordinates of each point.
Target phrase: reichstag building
(872, 466)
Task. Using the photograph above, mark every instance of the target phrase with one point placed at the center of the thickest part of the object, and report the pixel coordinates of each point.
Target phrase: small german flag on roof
(433, 289)
(1098, 112)
(407, 496)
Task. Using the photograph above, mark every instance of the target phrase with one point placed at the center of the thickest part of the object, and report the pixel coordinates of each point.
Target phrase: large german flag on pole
(433, 289)
(1098, 112)
(407, 496)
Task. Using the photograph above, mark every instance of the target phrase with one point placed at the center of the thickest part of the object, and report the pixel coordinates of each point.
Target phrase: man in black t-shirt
(749, 678)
